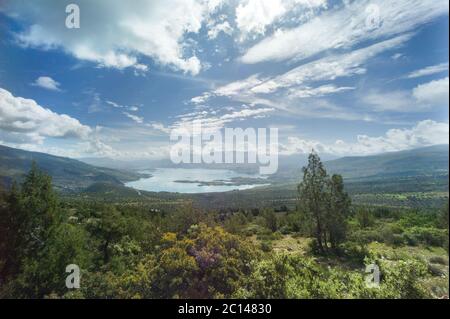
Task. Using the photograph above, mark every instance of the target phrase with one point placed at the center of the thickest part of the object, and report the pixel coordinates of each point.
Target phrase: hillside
(369, 179)
(412, 178)
(431, 160)
(68, 174)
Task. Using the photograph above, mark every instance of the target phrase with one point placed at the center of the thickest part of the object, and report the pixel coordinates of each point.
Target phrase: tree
(36, 207)
(364, 217)
(336, 216)
(271, 220)
(27, 218)
(109, 227)
(325, 203)
(27, 222)
(5, 236)
(444, 222)
(444, 216)
(312, 193)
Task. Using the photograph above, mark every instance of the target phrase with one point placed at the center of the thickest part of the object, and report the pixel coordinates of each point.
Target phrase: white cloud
(224, 27)
(214, 123)
(329, 68)
(135, 118)
(26, 119)
(115, 33)
(131, 108)
(296, 92)
(397, 56)
(201, 99)
(114, 104)
(159, 127)
(27, 125)
(234, 89)
(430, 70)
(433, 93)
(47, 82)
(423, 97)
(238, 87)
(398, 101)
(99, 148)
(307, 92)
(300, 78)
(345, 27)
(424, 133)
(254, 16)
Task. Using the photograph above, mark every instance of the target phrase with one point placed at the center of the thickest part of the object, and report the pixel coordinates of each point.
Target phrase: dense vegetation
(157, 249)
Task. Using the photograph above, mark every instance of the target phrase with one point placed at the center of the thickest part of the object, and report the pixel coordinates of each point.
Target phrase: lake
(186, 180)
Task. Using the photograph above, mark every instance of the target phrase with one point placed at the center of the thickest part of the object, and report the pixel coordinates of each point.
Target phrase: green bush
(426, 236)
(438, 260)
(268, 235)
(266, 246)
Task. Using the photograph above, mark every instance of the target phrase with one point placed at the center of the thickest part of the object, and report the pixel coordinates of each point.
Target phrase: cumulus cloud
(423, 97)
(254, 16)
(224, 27)
(344, 27)
(424, 133)
(123, 32)
(27, 119)
(47, 82)
(433, 93)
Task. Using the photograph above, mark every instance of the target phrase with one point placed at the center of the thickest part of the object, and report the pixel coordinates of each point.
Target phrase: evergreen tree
(36, 208)
(10, 224)
(325, 203)
(27, 221)
(312, 191)
(338, 211)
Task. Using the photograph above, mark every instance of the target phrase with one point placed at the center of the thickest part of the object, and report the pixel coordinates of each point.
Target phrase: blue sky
(343, 77)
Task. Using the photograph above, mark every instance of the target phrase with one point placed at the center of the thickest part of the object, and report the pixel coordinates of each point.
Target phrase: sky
(342, 77)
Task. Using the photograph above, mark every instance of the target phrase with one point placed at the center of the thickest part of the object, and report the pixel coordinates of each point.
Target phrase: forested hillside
(153, 248)
(67, 174)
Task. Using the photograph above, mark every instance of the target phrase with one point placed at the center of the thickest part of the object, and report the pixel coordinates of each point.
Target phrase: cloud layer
(27, 120)
(424, 133)
(345, 27)
(123, 32)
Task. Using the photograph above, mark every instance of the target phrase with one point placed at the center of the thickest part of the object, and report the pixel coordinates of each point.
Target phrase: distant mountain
(432, 160)
(139, 164)
(423, 171)
(67, 174)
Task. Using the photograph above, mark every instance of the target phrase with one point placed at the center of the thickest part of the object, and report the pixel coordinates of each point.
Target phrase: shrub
(207, 263)
(435, 270)
(438, 260)
(365, 218)
(426, 236)
(266, 246)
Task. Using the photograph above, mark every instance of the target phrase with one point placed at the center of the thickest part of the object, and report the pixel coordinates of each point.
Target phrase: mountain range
(74, 175)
